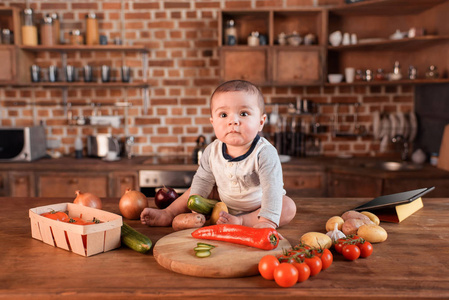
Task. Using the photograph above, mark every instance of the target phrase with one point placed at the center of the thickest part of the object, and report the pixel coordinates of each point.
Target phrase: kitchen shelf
(117, 84)
(389, 44)
(391, 82)
(385, 7)
(74, 48)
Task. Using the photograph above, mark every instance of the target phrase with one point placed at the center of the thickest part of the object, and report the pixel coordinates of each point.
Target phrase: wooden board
(175, 252)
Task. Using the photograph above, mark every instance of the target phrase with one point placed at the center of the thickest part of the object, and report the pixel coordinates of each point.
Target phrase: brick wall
(183, 71)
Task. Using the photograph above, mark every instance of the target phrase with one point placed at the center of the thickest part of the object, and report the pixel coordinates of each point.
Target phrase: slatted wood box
(85, 240)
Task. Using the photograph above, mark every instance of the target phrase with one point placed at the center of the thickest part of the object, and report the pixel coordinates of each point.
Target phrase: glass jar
(230, 33)
(380, 75)
(47, 31)
(92, 35)
(7, 36)
(432, 72)
(29, 30)
(56, 28)
(75, 37)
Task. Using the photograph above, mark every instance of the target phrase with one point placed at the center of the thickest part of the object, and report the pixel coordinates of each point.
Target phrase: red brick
(178, 121)
(146, 5)
(85, 6)
(172, 4)
(147, 121)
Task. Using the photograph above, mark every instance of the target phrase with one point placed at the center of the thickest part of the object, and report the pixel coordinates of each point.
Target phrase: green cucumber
(202, 248)
(205, 245)
(201, 205)
(201, 254)
(135, 240)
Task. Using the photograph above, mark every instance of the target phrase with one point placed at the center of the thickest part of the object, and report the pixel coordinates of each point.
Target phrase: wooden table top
(412, 263)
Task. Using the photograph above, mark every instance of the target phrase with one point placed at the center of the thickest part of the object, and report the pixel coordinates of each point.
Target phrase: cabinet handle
(73, 181)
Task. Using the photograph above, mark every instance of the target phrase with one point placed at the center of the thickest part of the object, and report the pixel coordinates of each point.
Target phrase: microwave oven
(22, 143)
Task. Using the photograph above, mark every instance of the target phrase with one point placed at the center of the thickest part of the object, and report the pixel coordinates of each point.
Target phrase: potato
(352, 225)
(219, 207)
(330, 224)
(188, 220)
(352, 214)
(371, 216)
(372, 233)
(316, 240)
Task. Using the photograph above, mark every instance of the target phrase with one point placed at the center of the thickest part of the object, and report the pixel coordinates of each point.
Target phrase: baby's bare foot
(156, 217)
(226, 218)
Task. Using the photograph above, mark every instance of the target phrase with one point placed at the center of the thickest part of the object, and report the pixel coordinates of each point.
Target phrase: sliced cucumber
(205, 245)
(202, 248)
(202, 253)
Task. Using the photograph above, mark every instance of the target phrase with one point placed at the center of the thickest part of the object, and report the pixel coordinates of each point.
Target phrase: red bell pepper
(262, 238)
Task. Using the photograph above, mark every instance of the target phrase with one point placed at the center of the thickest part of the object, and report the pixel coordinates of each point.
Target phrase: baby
(239, 168)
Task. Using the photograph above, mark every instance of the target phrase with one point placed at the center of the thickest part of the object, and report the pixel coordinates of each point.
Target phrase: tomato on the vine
(267, 264)
(285, 275)
(303, 270)
(351, 252)
(366, 248)
(326, 257)
(314, 263)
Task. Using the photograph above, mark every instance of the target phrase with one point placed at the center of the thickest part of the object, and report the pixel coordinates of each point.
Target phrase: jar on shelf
(29, 29)
(47, 32)
(432, 72)
(230, 33)
(380, 75)
(56, 28)
(7, 36)
(92, 35)
(75, 37)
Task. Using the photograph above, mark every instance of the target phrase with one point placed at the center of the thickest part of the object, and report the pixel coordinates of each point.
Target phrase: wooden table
(412, 263)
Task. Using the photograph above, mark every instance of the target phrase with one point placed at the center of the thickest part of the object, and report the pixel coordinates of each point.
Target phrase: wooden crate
(84, 240)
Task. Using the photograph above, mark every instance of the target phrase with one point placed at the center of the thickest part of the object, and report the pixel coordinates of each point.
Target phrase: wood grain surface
(175, 252)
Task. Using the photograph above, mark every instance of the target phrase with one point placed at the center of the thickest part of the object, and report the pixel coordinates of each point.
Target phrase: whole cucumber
(201, 205)
(135, 240)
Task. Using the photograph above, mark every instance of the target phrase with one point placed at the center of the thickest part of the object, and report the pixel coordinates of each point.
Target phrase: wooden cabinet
(353, 185)
(21, 184)
(305, 184)
(4, 184)
(123, 181)
(64, 184)
(272, 63)
(375, 49)
(400, 185)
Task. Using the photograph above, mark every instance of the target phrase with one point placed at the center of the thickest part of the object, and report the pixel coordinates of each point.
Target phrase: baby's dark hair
(240, 86)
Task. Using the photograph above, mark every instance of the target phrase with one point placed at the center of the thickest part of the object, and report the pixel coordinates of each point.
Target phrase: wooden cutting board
(175, 252)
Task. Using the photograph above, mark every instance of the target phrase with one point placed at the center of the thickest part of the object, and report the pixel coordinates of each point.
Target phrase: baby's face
(236, 118)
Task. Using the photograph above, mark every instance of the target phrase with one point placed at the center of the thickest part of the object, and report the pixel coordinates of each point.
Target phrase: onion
(132, 204)
(87, 199)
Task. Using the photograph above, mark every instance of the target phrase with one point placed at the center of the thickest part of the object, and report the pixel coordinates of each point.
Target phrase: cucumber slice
(203, 253)
(205, 245)
(202, 248)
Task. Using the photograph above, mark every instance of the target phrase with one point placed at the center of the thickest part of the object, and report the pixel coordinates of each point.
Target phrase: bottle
(56, 28)
(199, 149)
(432, 72)
(92, 35)
(75, 37)
(230, 33)
(78, 148)
(29, 30)
(47, 31)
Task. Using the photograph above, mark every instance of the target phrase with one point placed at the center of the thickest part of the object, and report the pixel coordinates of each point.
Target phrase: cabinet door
(294, 66)
(305, 184)
(352, 185)
(123, 181)
(8, 58)
(21, 184)
(3, 184)
(65, 184)
(245, 63)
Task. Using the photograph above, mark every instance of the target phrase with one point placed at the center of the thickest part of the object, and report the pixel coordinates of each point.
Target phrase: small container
(359, 75)
(368, 75)
(434, 158)
(432, 72)
(75, 37)
(56, 28)
(230, 33)
(253, 39)
(7, 36)
(47, 31)
(412, 73)
(92, 35)
(380, 75)
(29, 30)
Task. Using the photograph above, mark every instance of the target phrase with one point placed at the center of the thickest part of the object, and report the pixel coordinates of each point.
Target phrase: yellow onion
(132, 203)
(87, 199)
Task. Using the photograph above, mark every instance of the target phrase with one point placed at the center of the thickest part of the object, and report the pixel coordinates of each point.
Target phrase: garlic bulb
(335, 234)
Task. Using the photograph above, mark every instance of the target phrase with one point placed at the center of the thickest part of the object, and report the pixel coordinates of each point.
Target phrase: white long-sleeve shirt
(245, 183)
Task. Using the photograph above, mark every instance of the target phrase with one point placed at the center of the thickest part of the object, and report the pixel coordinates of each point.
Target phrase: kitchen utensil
(70, 72)
(35, 73)
(335, 38)
(335, 78)
(346, 39)
(99, 145)
(393, 125)
(105, 73)
(129, 143)
(126, 73)
(88, 74)
(175, 252)
(349, 75)
(52, 73)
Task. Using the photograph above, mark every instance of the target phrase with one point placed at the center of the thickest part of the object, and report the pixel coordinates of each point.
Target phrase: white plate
(393, 125)
(376, 125)
(384, 127)
(413, 126)
(401, 123)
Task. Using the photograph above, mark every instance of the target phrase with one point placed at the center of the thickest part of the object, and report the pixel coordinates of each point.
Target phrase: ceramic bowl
(294, 40)
(335, 78)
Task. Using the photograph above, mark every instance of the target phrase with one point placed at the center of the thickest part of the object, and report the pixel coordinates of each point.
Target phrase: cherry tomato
(285, 275)
(57, 215)
(326, 257)
(351, 252)
(267, 264)
(366, 249)
(303, 271)
(315, 264)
